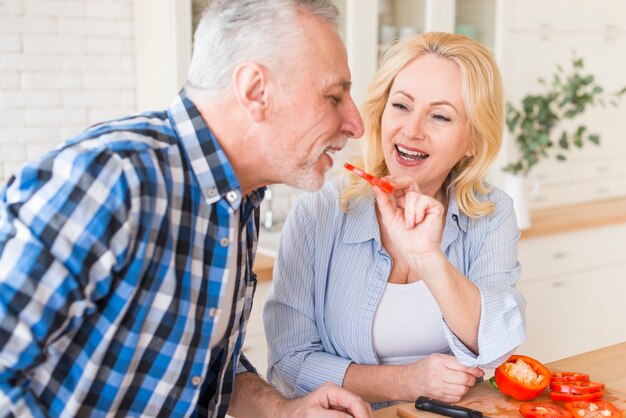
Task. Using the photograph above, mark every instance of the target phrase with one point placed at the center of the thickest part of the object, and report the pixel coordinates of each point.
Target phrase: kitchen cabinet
(567, 15)
(541, 35)
(574, 284)
(368, 25)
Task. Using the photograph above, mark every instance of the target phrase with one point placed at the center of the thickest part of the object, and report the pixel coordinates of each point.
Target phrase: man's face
(314, 114)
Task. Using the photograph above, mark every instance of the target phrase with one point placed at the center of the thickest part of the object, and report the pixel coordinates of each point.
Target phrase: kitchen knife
(427, 404)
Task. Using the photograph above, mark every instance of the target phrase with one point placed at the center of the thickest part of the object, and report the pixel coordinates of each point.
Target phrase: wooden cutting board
(607, 365)
(492, 403)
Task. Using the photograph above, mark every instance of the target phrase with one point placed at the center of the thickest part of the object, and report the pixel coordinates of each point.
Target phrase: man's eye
(399, 106)
(334, 99)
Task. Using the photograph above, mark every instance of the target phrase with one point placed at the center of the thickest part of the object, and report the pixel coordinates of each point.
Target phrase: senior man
(126, 253)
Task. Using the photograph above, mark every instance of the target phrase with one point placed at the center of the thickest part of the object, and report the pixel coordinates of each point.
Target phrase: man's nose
(352, 124)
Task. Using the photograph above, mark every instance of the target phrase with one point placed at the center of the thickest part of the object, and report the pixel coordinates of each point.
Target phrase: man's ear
(250, 82)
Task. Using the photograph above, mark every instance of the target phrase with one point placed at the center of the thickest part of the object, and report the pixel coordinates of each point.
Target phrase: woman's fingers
(385, 204)
(411, 201)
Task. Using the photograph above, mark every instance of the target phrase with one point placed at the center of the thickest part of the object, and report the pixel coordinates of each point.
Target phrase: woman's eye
(399, 106)
(442, 118)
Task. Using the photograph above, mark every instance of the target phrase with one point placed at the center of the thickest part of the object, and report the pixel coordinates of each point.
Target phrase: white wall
(64, 65)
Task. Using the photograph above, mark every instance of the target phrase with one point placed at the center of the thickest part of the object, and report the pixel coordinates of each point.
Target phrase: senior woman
(393, 297)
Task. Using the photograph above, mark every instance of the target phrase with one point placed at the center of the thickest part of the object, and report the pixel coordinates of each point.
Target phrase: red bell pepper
(576, 387)
(572, 397)
(522, 377)
(569, 377)
(584, 409)
(543, 410)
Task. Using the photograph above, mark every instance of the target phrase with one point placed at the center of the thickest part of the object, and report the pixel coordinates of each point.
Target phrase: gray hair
(232, 32)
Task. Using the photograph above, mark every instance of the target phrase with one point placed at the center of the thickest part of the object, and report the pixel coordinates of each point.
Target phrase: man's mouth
(410, 154)
(333, 148)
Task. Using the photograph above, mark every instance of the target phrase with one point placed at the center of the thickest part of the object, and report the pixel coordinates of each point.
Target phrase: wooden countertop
(574, 217)
(606, 365)
(263, 266)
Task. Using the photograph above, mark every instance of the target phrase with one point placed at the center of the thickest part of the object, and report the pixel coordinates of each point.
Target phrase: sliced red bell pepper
(572, 397)
(569, 377)
(576, 387)
(522, 377)
(543, 410)
(584, 409)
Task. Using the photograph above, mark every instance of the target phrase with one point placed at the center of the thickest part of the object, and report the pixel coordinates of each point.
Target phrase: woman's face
(424, 124)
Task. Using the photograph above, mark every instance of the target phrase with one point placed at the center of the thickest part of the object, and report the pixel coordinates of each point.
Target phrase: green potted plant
(541, 125)
(535, 123)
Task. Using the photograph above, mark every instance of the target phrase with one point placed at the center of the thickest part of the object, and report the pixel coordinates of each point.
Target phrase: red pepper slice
(573, 397)
(543, 410)
(522, 377)
(576, 387)
(569, 377)
(373, 180)
(584, 409)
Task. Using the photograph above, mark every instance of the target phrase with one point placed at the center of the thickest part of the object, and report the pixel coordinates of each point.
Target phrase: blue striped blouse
(331, 272)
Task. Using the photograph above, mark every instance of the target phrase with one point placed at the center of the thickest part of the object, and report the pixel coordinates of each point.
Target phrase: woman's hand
(438, 376)
(414, 221)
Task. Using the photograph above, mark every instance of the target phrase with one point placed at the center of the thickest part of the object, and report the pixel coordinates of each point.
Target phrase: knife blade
(427, 404)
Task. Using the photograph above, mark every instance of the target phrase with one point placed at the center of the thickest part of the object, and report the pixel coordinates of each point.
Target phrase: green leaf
(534, 119)
(492, 380)
(563, 141)
(588, 80)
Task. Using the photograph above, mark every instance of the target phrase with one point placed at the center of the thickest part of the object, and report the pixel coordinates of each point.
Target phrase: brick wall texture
(64, 65)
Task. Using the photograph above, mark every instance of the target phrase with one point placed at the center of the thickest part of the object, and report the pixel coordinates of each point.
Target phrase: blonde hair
(481, 89)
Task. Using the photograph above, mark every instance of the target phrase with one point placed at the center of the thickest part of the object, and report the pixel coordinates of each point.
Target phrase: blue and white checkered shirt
(113, 260)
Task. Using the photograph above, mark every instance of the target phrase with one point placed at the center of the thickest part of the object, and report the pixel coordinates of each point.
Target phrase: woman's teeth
(408, 155)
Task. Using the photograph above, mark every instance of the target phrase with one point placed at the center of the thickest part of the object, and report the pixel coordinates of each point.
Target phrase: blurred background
(67, 64)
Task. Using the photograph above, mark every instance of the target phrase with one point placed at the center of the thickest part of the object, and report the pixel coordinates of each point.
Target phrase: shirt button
(224, 242)
(231, 196)
(196, 380)
(213, 312)
(212, 192)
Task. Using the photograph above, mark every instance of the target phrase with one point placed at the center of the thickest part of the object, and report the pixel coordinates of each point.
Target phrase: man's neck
(232, 132)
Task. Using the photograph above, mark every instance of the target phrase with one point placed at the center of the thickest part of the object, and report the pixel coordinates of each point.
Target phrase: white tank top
(407, 324)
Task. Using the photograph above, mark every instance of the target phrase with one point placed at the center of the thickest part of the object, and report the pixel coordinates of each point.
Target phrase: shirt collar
(207, 159)
(454, 212)
(356, 230)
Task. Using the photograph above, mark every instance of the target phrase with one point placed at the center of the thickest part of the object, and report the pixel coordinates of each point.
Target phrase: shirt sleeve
(495, 270)
(297, 361)
(64, 228)
(244, 365)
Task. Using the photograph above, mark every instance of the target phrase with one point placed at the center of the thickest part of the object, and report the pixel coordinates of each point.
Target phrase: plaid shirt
(113, 259)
